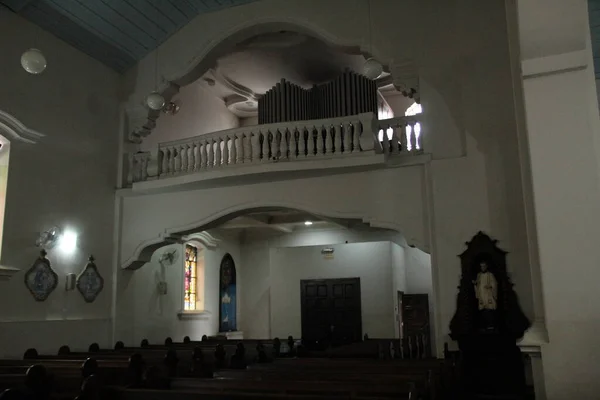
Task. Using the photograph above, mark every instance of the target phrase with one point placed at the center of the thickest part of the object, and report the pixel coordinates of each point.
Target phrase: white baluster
(302, 142)
(320, 140)
(329, 130)
(225, 155)
(144, 164)
(283, 145)
(190, 157)
(347, 138)
(337, 138)
(255, 142)
(162, 157)
(241, 154)
(385, 141)
(413, 140)
(177, 159)
(183, 150)
(233, 152)
(196, 155)
(275, 150)
(419, 138)
(265, 146)
(356, 137)
(171, 160)
(218, 158)
(403, 140)
(293, 144)
(210, 153)
(311, 142)
(203, 154)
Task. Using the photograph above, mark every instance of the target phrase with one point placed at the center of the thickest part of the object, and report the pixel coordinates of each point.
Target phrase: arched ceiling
(257, 64)
(117, 33)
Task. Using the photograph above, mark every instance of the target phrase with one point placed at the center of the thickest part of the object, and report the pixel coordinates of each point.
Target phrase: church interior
(299, 199)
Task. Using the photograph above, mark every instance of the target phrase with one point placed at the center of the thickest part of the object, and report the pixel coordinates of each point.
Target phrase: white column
(563, 139)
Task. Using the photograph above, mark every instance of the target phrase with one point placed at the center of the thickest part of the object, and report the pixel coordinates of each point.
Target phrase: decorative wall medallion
(89, 281)
(41, 279)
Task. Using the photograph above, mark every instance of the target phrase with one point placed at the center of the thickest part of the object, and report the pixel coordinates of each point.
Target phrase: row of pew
(222, 369)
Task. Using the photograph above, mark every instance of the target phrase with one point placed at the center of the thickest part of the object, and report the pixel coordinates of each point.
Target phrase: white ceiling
(257, 64)
(280, 222)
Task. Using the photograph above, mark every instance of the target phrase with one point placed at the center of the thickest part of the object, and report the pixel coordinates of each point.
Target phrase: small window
(193, 290)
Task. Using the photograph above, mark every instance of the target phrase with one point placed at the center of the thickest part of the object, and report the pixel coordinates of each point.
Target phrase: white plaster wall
(256, 255)
(418, 271)
(399, 281)
(256, 299)
(371, 262)
(561, 110)
(155, 316)
(474, 181)
(201, 111)
(364, 195)
(67, 179)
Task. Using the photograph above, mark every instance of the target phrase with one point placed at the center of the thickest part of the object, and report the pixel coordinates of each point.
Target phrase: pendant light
(155, 101)
(33, 60)
(372, 68)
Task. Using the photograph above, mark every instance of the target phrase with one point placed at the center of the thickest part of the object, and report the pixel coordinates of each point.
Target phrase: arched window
(227, 295)
(414, 109)
(193, 279)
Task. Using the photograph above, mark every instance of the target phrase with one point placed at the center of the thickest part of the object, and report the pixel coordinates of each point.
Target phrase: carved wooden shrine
(491, 362)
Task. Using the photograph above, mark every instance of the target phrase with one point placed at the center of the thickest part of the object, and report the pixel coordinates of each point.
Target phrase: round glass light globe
(372, 68)
(33, 61)
(155, 101)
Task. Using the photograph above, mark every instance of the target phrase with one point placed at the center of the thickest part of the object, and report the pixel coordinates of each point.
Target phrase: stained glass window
(190, 278)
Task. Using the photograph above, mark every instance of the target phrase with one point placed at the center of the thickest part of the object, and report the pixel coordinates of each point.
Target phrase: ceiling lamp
(155, 101)
(308, 223)
(372, 68)
(33, 61)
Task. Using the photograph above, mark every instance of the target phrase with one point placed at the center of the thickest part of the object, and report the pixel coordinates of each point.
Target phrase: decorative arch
(12, 128)
(143, 252)
(142, 121)
(227, 295)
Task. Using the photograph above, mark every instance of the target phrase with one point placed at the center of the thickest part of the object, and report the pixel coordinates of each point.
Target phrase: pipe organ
(348, 94)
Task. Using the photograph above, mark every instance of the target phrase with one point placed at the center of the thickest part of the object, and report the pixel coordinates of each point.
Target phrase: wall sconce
(66, 240)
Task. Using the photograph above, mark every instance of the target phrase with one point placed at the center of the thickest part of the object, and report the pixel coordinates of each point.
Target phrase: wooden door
(415, 315)
(331, 311)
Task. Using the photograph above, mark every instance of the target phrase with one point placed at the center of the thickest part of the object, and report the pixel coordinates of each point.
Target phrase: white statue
(486, 288)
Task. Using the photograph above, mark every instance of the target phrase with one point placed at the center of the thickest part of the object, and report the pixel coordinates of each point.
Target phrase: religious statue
(486, 293)
(487, 324)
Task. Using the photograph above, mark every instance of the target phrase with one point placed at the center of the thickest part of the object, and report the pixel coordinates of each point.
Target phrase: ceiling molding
(255, 221)
(406, 79)
(15, 129)
(204, 238)
(234, 86)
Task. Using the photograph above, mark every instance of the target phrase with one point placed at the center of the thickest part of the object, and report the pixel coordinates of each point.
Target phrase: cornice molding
(15, 129)
(406, 79)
